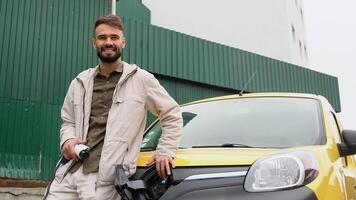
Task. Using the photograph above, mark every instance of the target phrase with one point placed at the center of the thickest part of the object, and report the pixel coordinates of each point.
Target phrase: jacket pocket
(130, 106)
(130, 111)
(113, 153)
(62, 171)
(131, 99)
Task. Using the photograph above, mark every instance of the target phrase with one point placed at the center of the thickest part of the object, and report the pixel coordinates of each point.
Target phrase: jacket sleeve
(68, 119)
(168, 111)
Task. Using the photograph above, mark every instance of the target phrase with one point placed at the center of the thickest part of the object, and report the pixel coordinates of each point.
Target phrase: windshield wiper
(148, 148)
(154, 148)
(234, 145)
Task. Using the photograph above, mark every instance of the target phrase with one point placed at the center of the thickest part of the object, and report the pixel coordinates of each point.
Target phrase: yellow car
(253, 146)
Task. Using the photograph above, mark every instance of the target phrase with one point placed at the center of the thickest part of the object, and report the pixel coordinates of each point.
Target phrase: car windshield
(268, 122)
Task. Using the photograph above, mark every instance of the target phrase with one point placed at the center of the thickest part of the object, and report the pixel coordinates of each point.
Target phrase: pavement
(15, 193)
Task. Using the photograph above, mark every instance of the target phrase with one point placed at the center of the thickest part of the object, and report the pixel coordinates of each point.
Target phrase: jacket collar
(127, 71)
(118, 69)
(89, 74)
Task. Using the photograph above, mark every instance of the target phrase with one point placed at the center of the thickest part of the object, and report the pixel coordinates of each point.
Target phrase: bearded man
(105, 109)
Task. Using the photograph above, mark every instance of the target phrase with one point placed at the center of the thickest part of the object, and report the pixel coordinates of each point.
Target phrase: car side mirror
(348, 147)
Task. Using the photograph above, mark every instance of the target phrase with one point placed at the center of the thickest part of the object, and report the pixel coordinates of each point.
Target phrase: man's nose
(109, 41)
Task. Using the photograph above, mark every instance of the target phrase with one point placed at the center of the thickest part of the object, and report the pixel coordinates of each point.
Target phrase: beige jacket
(136, 92)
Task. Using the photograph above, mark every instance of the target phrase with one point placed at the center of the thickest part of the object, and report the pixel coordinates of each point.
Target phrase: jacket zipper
(130, 74)
(119, 85)
(83, 105)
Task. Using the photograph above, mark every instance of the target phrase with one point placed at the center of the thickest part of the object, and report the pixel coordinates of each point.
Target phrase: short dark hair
(111, 20)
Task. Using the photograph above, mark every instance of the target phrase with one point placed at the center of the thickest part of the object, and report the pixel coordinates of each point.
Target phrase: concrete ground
(13, 193)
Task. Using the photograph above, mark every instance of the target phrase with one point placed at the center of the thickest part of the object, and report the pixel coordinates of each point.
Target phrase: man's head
(108, 38)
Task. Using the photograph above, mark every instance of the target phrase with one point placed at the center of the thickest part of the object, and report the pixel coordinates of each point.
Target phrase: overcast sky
(330, 32)
(331, 38)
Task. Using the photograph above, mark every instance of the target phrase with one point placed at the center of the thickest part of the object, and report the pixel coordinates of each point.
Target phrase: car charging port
(149, 186)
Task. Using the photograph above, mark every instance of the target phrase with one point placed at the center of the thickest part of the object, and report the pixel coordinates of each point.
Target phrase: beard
(109, 58)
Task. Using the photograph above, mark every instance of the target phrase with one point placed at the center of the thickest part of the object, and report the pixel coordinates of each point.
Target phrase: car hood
(213, 156)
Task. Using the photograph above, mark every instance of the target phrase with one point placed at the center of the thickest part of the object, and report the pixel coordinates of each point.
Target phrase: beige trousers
(81, 186)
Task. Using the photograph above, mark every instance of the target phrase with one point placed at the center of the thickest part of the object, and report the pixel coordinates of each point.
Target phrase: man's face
(108, 42)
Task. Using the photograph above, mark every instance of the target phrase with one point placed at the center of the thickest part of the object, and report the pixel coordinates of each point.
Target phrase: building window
(301, 15)
(293, 32)
(306, 53)
(300, 49)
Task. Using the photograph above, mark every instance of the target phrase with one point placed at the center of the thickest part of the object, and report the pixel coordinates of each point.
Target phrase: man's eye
(115, 37)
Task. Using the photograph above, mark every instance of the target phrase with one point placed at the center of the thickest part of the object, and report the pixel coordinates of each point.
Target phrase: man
(105, 109)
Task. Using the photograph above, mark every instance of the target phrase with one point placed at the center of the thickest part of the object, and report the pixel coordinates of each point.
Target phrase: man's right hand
(68, 148)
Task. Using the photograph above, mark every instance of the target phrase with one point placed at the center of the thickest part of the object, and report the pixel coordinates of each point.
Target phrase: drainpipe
(112, 7)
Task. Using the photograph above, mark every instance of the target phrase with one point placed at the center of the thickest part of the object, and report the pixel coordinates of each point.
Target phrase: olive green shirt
(103, 90)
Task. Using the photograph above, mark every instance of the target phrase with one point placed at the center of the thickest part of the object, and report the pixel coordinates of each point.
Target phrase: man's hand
(68, 148)
(162, 165)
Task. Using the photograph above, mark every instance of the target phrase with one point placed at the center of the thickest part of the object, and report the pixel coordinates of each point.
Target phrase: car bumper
(230, 188)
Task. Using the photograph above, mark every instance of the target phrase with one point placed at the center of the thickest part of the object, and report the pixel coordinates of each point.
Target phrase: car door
(350, 177)
(348, 168)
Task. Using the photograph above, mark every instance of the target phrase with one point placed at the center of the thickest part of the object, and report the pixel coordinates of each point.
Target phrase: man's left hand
(162, 164)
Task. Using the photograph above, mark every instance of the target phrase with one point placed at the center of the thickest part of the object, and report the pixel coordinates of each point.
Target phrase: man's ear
(124, 42)
(93, 42)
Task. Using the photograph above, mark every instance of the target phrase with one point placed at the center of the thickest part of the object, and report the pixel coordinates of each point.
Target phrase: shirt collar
(119, 69)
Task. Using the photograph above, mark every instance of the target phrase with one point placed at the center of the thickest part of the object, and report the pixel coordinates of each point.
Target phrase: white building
(273, 28)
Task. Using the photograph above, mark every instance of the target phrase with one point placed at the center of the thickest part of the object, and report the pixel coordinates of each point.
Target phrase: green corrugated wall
(133, 9)
(185, 57)
(45, 43)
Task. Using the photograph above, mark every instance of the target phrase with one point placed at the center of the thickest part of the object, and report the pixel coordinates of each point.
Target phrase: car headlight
(282, 171)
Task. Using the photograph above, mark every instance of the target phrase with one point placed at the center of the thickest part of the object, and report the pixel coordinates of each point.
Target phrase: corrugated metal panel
(125, 8)
(187, 91)
(178, 55)
(61, 41)
(29, 144)
(43, 44)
